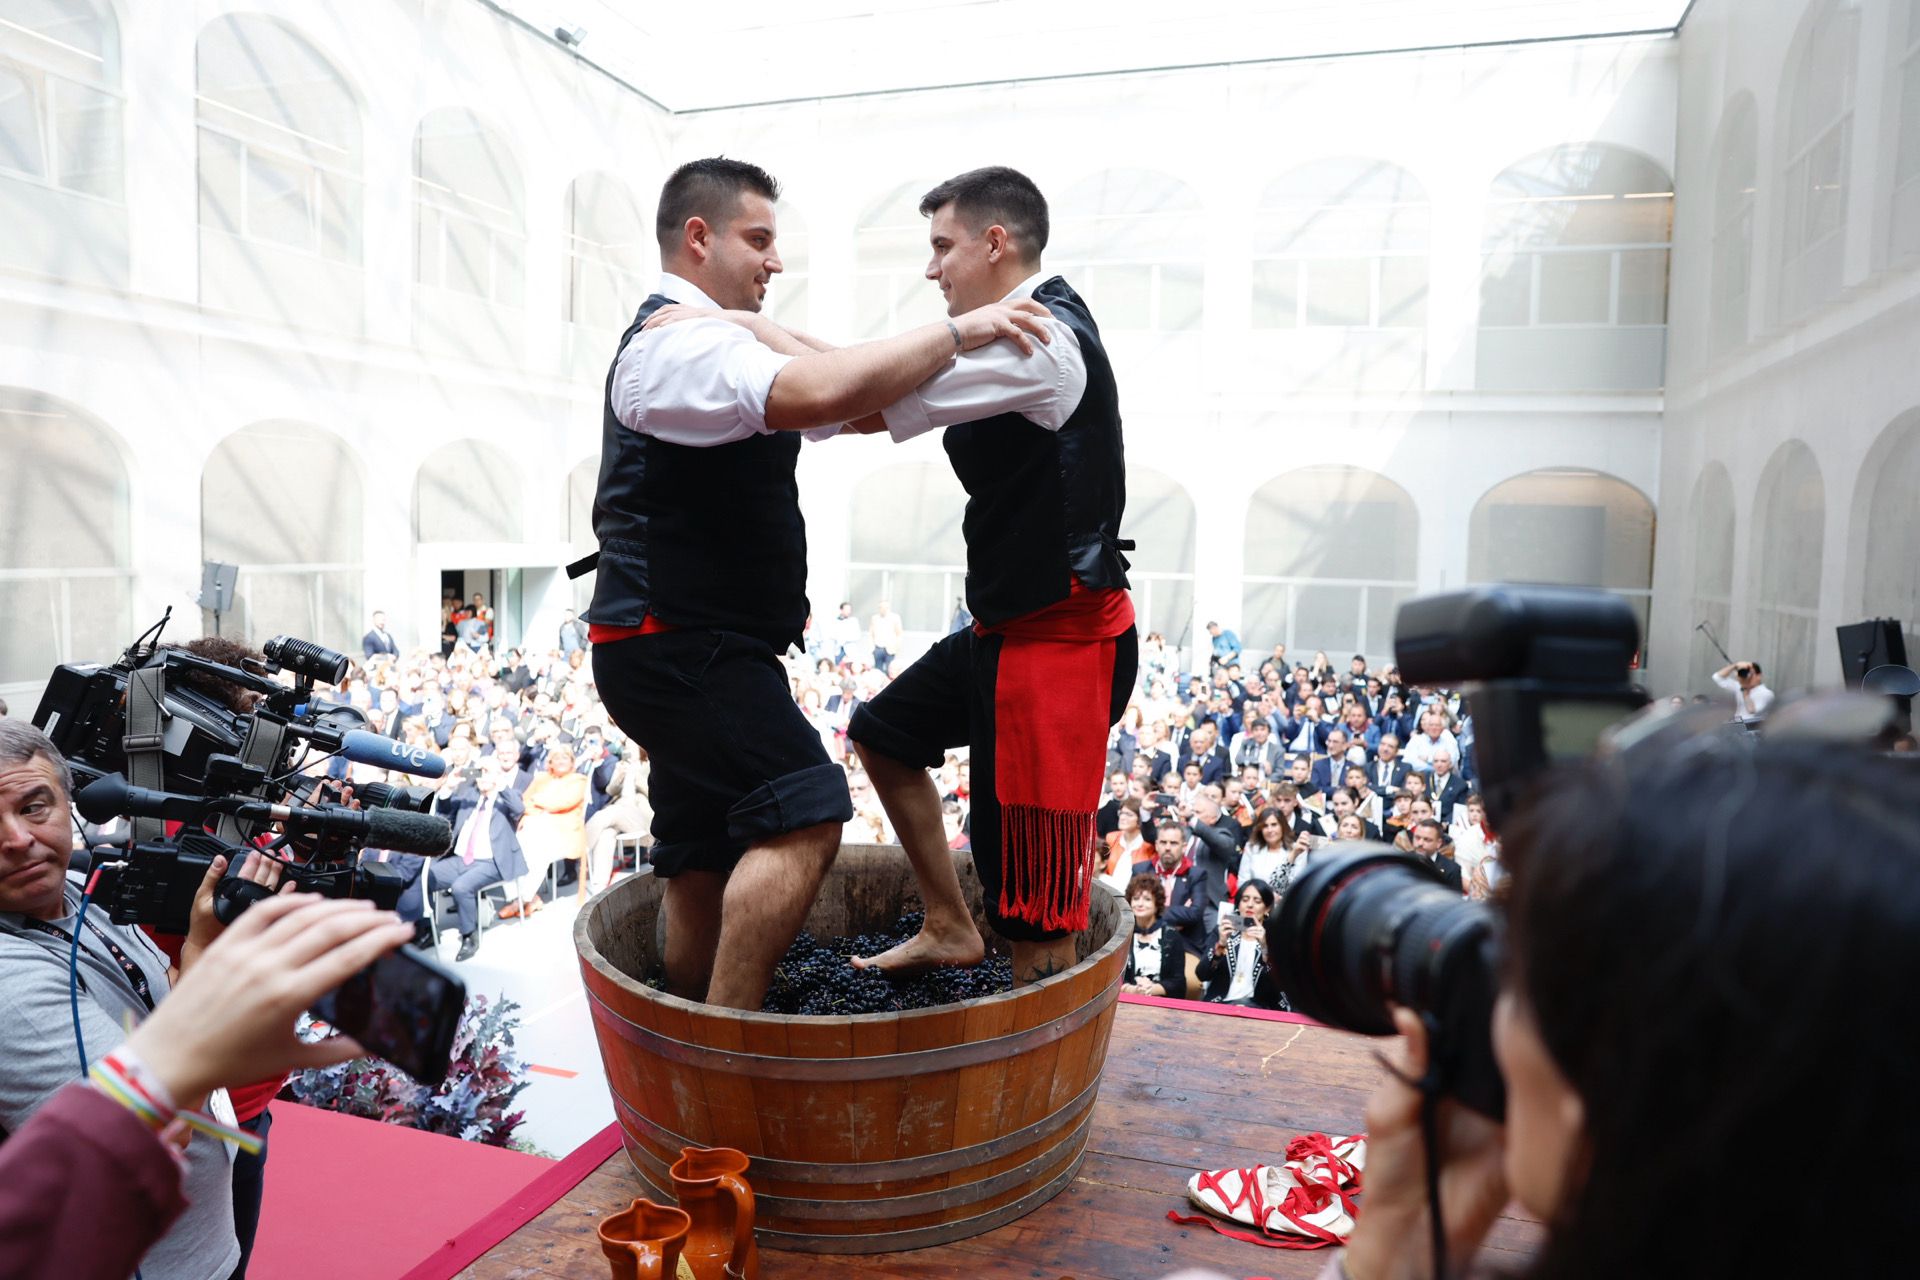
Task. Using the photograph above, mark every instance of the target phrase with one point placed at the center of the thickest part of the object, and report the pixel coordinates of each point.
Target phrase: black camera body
(1546, 671)
(210, 762)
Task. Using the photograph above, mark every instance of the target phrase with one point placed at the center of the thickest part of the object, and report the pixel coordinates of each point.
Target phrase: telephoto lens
(1361, 932)
(305, 658)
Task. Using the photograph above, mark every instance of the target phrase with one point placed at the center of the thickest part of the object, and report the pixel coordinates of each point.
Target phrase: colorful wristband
(127, 1080)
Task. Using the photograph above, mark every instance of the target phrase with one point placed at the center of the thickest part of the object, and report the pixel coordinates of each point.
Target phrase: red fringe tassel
(1046, 858)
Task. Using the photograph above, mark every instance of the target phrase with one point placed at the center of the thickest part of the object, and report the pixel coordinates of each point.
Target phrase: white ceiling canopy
(695, 57)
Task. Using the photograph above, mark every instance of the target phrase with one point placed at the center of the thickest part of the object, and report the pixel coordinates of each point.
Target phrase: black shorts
(734, 762)
(946, 700)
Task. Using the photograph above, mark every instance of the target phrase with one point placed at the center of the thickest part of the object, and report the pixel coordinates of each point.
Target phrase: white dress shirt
(1045, 387)
(1759, 695)
(699, 382)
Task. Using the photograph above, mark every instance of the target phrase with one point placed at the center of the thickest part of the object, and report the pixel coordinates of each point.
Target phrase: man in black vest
(1047, 667)
(703, 563)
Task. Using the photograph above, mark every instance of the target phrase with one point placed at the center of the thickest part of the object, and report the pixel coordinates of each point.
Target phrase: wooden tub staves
(869, 1133)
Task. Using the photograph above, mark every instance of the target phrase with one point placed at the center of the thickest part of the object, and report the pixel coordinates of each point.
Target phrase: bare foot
(925, 952)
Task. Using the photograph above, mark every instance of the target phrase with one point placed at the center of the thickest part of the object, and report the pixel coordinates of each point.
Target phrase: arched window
(582, 483)
(66, 575)
(788, 296)
(1569, 528)
(891, 291)
(1161, 520)
(301, 570)
(1574, 291)
(62, 160)
(280, 175)
(1331, 553)
(1712, 516)
(1124, 238)
(1891, 585)
(1904, 225)
(609, 258)
(907, 545)
(1816, 156)
(469, 238)
(1789, 534)
(468, 491)
(1734, 192)
(1343, 244)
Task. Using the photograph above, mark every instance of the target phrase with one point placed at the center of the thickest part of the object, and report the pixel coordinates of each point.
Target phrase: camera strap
(136, 976)
(145, 740)
(262, 750)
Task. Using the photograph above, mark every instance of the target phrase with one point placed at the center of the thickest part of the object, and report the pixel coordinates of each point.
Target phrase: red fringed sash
(1051, 702)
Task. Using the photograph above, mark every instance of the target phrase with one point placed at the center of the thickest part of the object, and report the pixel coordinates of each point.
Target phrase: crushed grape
(816, 977)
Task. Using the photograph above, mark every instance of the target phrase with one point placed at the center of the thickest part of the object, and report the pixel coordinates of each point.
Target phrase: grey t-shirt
(37, 1057)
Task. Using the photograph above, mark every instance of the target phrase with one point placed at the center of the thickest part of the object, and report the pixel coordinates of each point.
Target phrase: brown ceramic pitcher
(711, 1185)
(644, 1242)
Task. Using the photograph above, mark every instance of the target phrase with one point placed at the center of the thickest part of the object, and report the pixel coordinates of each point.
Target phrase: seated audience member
(1156, 960)
(1187, 908)
(1286, 798)
(1236, 969)
(1665, 1083)
(1344, 802)
(1388, 772)
(1219, 838)
(1429, 842)
(1330, 771)
(1419, 809)
(1124, 847)
(1366, 803)
(1434, 736)
(627, 812)
(1399, 809)
(1351, 828)
(554, 828)
(1106, 819)
(1447, 787)
(1267, 854)
(1469, 834)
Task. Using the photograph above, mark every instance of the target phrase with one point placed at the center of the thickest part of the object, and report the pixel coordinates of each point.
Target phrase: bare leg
(693, 931)
(767, 900)
(948, 936)
(1033, 961)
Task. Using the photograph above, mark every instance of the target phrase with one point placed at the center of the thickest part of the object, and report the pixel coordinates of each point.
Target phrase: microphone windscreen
(383, 752)
(405, 832)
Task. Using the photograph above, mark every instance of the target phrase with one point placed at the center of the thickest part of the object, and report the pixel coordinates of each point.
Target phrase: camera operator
(231, 1019)
(1751, 697)
(123, 976)
(1691, 1005)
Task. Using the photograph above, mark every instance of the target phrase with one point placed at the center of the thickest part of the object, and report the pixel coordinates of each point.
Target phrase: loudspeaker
(216, 586)
(1866, 645)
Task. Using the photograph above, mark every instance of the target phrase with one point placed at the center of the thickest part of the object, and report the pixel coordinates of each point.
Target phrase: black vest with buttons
(698, 537)
(1044, 507)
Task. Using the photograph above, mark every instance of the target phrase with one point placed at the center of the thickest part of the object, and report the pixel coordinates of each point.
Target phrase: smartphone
(404, 1007)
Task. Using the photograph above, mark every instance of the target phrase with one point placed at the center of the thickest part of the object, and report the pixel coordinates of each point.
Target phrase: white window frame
(66, 65)
(312, 171)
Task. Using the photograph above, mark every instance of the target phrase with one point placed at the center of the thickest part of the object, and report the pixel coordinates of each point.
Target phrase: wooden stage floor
(1184, 1089)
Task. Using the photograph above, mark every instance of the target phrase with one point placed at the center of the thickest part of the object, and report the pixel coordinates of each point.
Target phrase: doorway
(500, 591)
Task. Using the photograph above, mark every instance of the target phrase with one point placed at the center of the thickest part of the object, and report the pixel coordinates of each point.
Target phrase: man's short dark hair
(982, 197)
(709, 189)
(1433, 825)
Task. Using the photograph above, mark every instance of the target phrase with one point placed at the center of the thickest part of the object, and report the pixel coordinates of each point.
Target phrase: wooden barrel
(870, 1133)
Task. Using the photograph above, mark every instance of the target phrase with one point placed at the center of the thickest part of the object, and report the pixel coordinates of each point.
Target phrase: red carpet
(347, 1196)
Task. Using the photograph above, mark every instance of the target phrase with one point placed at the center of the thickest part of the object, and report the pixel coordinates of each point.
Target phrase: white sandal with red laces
(1306, 1203)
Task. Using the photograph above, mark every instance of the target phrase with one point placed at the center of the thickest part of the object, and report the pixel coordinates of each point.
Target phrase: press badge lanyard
(136, 976)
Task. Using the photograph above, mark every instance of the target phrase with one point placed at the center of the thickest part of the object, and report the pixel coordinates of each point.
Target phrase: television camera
(208, 753)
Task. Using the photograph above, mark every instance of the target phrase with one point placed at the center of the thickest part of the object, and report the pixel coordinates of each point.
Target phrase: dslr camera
(1546, 671)
(159, 736)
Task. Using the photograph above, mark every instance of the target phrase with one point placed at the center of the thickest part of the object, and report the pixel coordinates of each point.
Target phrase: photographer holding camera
(122, 976)
(1751, 697)
(1691, 1006)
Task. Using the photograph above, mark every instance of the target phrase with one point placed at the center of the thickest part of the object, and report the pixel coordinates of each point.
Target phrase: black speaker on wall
(1866, 645)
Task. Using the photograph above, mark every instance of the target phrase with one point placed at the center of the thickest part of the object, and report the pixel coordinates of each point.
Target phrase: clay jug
(644, 1240)
(711, 1185)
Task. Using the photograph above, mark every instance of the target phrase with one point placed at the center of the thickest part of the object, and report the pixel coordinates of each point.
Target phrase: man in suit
(1204, 749)
(1447, 789)
(1388, 772)
(1330, 771)
(1187, 904)
(486, 849)
(1256, 747)
(1429, 837)
(1106, 818)
(379, 640)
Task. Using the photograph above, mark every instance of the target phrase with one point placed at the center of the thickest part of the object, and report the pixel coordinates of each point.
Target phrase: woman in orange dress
(555, 826)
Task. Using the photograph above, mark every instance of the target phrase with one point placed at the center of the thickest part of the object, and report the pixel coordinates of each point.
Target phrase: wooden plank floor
(1183, 1090)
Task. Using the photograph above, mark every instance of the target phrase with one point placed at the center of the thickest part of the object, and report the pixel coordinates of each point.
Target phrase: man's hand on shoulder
(1014, 321)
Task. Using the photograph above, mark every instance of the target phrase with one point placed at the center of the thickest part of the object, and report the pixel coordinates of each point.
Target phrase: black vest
(698, 537)
(1044, 507)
